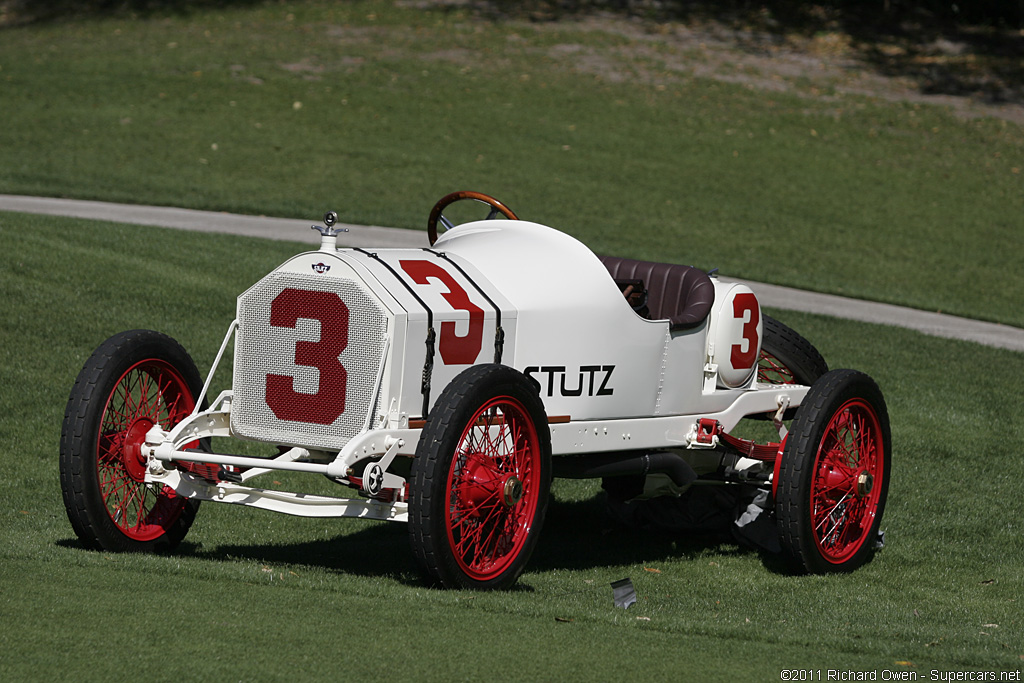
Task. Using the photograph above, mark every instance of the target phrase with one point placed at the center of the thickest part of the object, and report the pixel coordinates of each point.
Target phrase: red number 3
(328, 402)
(743, 303)
(455, 350)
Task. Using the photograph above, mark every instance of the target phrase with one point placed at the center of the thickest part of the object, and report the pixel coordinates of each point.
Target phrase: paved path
(772, 296)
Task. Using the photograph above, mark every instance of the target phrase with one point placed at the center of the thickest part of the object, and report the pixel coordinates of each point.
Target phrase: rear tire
(133, 381)
(833, 478)
(786, 357)
(480, 480)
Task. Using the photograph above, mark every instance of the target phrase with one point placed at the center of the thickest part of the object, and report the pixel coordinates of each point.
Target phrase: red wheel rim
(492, 487)
(770, 370)
(149, 393)
(847, 481)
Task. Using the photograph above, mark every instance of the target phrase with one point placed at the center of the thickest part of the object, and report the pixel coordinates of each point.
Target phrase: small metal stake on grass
(623, 593)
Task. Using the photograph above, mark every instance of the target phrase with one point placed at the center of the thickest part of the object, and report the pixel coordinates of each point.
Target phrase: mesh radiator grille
(307, 353)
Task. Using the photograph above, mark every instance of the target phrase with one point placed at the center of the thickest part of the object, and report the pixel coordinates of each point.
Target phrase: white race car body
(448, 385)
(331, 349)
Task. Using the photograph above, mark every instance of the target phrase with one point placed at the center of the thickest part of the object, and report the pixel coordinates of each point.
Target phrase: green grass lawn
(376, 109)
(251, 595)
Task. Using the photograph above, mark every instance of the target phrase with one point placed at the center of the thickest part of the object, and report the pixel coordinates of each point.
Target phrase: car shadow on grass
(362, 548)
(577, 535)
(583, 535)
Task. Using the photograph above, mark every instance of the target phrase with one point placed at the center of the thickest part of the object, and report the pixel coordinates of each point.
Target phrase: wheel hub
(484, 487)
(512, 492)
(865, 482)
(134, 437)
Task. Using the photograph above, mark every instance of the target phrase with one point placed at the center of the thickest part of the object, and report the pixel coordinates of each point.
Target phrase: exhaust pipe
(624, 464)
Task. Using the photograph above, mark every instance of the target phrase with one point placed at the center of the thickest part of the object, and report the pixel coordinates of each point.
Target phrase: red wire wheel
(134, 381)
(492, 495)
(844, 499)
(480, 480)
(834, 476)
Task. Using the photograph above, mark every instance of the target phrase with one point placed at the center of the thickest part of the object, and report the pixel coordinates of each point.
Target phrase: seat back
(682, 294)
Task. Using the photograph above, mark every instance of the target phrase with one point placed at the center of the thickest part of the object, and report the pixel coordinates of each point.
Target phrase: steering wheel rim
(445, 201)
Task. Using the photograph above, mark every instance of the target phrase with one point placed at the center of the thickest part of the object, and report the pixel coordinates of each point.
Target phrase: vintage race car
(447, 386)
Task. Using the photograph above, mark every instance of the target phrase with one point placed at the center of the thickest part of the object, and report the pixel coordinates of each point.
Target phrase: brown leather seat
(682, 294)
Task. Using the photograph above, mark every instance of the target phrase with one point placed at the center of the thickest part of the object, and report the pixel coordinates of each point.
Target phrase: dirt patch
(820, 66)
(973, 71)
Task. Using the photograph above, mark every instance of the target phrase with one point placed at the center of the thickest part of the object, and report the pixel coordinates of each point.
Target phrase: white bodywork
(331, 348)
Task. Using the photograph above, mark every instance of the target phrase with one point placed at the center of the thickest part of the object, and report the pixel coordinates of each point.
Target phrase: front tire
(133, 381)
(833, 478)
(480, 480)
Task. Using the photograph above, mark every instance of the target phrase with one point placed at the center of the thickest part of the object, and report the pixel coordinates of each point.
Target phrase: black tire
(786, 357)
(101, 470)
(833, 478)
(478, 496)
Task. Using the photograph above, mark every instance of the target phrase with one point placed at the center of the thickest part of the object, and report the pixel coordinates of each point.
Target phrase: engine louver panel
(307, 354)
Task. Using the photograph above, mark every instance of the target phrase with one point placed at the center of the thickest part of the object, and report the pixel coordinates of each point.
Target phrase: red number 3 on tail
(744, 303)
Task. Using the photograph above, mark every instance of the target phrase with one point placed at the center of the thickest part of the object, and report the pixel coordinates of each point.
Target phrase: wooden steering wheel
(445, 201)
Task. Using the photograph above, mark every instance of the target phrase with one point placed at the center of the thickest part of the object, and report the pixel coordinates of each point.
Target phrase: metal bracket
(376, 477)
(783, 403)
(704, 433)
